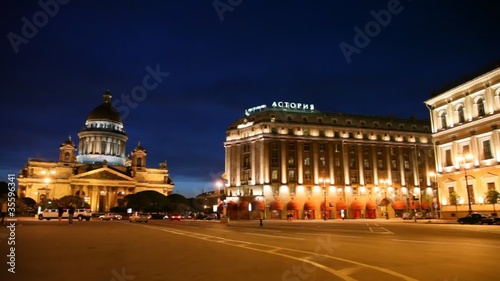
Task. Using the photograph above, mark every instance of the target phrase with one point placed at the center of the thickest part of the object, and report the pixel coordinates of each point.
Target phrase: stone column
(361, 165)
(284, 174)
(108, 197)
(253, 160)
(300, 163)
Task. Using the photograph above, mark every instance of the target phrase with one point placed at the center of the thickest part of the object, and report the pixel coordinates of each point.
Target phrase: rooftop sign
(283, 105)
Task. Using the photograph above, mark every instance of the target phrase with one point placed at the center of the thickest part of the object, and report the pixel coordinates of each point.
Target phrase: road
(280, 250)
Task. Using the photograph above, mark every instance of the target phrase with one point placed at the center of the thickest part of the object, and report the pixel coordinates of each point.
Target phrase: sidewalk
(377, 220)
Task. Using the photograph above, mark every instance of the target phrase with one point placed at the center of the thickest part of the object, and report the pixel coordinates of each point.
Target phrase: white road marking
(445, 243)
(328, 234)
(274, 236)
(247, 245)
(268, 230)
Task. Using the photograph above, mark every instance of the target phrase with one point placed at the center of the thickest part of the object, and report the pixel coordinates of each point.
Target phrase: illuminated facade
(465, 131)
(101, 173)
(289, 157)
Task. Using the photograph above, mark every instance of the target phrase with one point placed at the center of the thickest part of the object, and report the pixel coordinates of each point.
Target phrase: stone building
(290, 158)
(466, 135)
(98, 169)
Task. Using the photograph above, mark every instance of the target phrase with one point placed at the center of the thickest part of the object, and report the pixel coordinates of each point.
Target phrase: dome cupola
(103, 138)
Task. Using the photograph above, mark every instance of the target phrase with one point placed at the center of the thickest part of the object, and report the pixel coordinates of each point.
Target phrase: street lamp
(464, 160)
(48, 174)
(435, 191)
(219, 186)
(324, 182)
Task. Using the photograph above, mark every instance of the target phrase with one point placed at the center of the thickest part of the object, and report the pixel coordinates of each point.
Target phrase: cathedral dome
(105, 111)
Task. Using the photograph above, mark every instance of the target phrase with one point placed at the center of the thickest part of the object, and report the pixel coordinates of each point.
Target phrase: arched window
(442, 116)
(66, 156)
(139, 162)
(480, 107)
(461, 114)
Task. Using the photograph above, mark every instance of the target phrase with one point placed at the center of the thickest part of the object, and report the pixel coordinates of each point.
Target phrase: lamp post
(385, 183)
(435, 192)
(324, 182)
(48, 174)
(464, 160)
(219, 186)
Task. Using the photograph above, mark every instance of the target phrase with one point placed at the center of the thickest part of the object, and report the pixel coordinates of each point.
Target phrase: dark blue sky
(260, 52)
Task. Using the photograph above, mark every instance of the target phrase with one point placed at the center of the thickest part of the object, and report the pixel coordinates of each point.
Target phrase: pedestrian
(71, 212)
(260, 219)
(3, 212)
(60, 211)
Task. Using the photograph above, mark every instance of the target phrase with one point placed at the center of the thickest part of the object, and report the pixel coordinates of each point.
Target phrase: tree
(492, 197)
(147, 201)
(76, 200)
(23, 209)
(30, 202)
(454, 200)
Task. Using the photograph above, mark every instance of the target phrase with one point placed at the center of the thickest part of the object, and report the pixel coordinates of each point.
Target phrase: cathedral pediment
(103, 174)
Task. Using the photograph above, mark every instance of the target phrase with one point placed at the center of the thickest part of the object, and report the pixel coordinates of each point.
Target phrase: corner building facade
(466, 134)
(294, 160)
(98, 171)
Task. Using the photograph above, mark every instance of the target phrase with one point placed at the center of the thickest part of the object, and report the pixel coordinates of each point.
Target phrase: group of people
(289, 217)
(71, 212)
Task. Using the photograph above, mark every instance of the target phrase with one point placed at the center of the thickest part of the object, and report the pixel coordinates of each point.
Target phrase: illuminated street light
(386, 185)
(435, 187)
(48, 174)
(219, 186)
(324, 182)
(464, 161)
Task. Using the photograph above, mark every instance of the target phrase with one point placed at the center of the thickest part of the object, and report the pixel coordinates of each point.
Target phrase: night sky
(214, 59)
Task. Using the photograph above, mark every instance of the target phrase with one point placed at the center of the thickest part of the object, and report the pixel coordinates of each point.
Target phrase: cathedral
(98, 169)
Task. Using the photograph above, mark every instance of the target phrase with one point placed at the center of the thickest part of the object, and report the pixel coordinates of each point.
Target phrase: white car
(83, 214)
(80, 214)
(49, 214)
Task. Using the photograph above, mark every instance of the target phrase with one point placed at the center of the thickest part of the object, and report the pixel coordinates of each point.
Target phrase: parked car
(83, 214)
(110, 216)
(80, 214)
(175, 217)
(157, 216)
(430, 215)
(418, 216)
(138, 217)
(407, 216)
(200, 216)
(490, 220)
(210, 217)
(48, 214)
(473, 218)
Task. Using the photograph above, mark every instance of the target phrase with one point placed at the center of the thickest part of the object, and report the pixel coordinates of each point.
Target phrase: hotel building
(290, 158)
(100, 173)
(465, 122)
